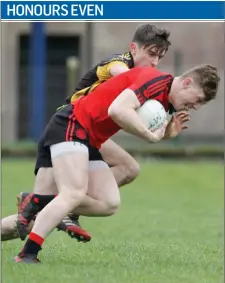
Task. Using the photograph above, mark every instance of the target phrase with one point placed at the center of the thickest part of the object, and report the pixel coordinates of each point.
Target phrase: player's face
(146, 56)
(188, 96)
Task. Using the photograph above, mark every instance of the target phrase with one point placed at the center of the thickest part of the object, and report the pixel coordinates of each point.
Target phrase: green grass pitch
(169, 229)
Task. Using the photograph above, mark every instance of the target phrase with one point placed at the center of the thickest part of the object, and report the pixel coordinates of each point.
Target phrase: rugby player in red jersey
(149, 45)
(76, 132)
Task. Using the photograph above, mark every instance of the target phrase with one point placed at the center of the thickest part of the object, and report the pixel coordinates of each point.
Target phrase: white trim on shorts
(63, 148)
(97, 164)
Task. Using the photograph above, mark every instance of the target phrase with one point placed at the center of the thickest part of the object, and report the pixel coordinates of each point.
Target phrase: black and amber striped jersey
(99, 74)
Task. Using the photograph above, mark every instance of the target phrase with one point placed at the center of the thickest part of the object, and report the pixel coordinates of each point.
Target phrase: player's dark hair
(148, 34)
(207, 77)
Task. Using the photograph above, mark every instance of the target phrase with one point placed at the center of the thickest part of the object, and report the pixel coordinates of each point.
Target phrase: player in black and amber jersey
(148, 47)
(146, 50)
(102, 72)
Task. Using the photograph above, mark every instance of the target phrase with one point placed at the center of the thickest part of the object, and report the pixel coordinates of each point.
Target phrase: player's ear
(187, 82)
(133, 48)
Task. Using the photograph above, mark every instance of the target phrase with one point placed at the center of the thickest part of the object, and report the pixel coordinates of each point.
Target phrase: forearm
(168, 132)
(167, 136)
(130, 122)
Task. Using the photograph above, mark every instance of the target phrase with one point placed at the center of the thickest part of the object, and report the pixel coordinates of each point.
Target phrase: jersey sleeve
(146, 88)
(103, 70)
(124, 59)
(110, 64)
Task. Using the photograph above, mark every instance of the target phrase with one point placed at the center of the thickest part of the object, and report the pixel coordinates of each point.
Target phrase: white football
(153, 114)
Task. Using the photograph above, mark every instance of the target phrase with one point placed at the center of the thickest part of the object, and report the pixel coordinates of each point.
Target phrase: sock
(42, 200)
(32, 204)
(33, 244)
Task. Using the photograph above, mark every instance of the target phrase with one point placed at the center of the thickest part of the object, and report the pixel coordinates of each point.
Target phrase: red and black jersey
(92, 111)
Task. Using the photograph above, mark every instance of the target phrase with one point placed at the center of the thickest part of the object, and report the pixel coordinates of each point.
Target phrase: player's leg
(72, 186)
(29, 204)
(124, 167)
(8, 228)
(34, 202)
(45, 190)
(99, 201)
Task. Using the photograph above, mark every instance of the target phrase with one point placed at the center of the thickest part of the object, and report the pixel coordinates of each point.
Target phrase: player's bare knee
(112, 205)
(131, 171)
(110, 209)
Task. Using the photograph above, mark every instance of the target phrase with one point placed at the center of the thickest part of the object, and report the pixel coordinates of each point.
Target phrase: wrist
(168, 134)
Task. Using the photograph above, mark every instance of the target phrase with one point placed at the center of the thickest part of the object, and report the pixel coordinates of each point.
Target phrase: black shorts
(62, 127)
